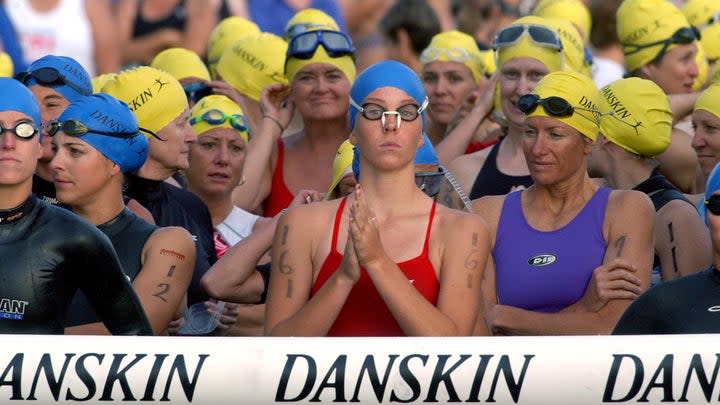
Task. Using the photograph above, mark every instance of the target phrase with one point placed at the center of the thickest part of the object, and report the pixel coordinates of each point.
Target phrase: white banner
(499, 370)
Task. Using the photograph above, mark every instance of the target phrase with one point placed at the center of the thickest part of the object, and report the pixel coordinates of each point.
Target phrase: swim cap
(641, 22)
(709, 100)
(223, 104)
(254, 62)
(700, 12)
(640, 120)
(455, 46)
(342, 166)
(224, 34)
(488, 62)
(309, 19)
(577, 89)
(573, 47)
(154, 96)
(70, 70)
(181, 63)
(572, 11)
(703, 68)
(386, 74)
(102, 112)
(17, 97)
(6, 65)
(98, 82)
(710, 41)
(711, 185)
(526, 48)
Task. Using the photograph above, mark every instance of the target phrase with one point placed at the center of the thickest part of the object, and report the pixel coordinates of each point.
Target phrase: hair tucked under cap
(220, 103)
(102, 112)
(386, 74)
(449, 40)
(70, 69)
(181, 63)
(16, 97)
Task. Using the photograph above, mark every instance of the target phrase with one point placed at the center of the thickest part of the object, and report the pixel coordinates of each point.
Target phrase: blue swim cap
(69, 69)
(16, 97)
(425, 155)
(386, 74)
(102, 112)
(712, 185)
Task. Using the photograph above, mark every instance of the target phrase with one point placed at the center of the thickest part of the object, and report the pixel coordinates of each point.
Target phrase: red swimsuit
(280, 196)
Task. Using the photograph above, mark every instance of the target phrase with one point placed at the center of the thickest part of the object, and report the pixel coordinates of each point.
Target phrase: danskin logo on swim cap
(542, 260)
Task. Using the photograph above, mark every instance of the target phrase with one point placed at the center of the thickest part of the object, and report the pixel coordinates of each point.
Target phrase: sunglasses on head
(217, 117)
(374, 112)
(682, 36)
(452, 54)
(713, 204)
(336, 44)
(538, 34)
(78, 128)
(24, 130)
(196, 91)
(49, 76)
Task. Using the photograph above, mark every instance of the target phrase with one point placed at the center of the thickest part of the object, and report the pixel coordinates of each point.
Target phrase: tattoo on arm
(674, 258)
(284, 268)
(469, 281)
(164, 288)
(620, 244)
(171, 271)
(475, 239)
(672, 250)
(284, 236)
(289, 288)
(172, 253)
(670, 230)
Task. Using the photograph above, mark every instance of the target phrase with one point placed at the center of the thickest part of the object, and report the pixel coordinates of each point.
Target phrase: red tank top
(280, 197)
(365, 312)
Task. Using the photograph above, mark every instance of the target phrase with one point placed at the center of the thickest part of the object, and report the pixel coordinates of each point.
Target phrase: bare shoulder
(489, 208)
(624, 203)
(454, 221)
(168, 237)
(312, 216)
(679, 211)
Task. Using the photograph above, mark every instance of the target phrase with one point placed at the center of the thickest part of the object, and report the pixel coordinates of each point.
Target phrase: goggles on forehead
(78, 128)
(297, 29)
(713, 204)
(24, 130)
(217, 117)
(374, 112)
(49, 76)
(430, 182)
(682, 36)
(196, 90)
(336, 44)
(452, 54)
(538, 34)
(553, 105)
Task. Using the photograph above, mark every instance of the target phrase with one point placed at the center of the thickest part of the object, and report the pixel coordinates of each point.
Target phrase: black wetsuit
(689, 304)
(45, 190)
(48, 253)
(491, 181)
(128, 234)
(173, 206)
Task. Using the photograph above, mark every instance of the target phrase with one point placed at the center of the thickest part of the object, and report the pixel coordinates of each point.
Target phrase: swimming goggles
(196, 90)
(24, 130)
(78, 128)
(217, 117)
(682, 36)
(430, 182)
(336, 44)
(49, 76)
(451, 54)
(374, 112)
(538, 34)
(297, 29)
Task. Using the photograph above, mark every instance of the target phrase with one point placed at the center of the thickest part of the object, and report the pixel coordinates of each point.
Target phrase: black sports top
(173, 20)
(491, 181)
(48, 254)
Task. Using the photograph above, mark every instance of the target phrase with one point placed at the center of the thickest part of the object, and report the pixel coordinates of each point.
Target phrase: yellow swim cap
(580, 92)
(221, 103)
(309, 19)
(345, 63)
(573, 11)
(710, 41)
(224, 34)
(455, 46)
(181, 63)
(342, 166)
(254, 62)
(700, 12)
(703, 68)
(641, 22)
(153, 95)
(525, 47)
(98, 82)
(709, 100)
(573, 47)
(640, 120)
(488, 61)
(6, 65)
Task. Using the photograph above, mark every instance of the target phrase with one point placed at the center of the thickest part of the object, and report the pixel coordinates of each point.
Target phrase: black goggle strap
(676, 38)
(15, 128)
(713, 204)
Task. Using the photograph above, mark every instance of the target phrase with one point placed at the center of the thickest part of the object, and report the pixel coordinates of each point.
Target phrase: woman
(379, 285)
(574, 235)
(706, 123)
(526, 50)
(452, 68)
(96, 141)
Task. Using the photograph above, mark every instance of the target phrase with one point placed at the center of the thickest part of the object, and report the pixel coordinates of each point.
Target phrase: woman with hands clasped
(408, 266)
(567, 257)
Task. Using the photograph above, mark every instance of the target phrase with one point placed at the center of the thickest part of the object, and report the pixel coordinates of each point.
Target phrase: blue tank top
(547, 271)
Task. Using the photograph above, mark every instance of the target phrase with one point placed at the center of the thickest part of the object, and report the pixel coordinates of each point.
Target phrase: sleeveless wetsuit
(661, 192)
(128, 234)
(547, 271)
(173, 206)
(49, 253)
(280, 196)
(365, 313)
(491, 181)
(689, 304)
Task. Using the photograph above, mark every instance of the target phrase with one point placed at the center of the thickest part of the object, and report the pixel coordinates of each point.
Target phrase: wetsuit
(365, 312)
(128, 234)
(45, 190)
(661, 192)
(280, 196)
(491, 181)
(690, 304)
(546, 271)
(173, 206)
(48, 253)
